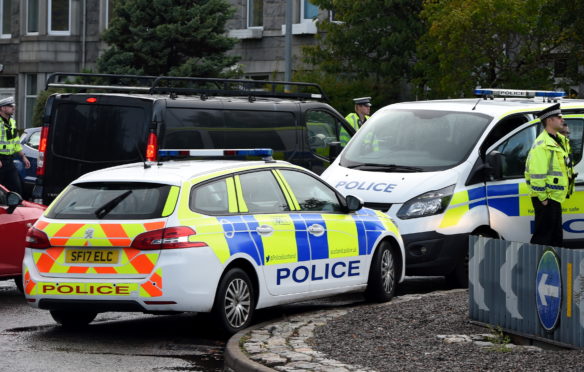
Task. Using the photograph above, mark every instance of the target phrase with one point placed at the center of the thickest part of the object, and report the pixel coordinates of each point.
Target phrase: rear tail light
(40, 171)
(168, 238)
(36, 238)
(152, 147)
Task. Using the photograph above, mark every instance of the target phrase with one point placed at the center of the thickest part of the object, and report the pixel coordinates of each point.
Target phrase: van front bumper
(433, 254)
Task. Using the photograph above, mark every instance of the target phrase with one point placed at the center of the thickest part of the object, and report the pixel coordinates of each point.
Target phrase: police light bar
(519, 93)
(214, 152)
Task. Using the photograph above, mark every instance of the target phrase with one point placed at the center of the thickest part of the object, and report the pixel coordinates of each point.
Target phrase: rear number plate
(95, 256)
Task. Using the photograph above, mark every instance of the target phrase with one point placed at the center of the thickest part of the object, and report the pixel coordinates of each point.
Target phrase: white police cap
(8, 101)
(362, 101)
(553, 110)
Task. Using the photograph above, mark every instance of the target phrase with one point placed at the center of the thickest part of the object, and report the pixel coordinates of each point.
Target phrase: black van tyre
(72, 319)
(235, 301)
(458, 278)
(382, 280)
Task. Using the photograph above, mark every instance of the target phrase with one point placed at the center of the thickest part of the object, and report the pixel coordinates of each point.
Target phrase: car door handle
(316, 230)
(264, 230)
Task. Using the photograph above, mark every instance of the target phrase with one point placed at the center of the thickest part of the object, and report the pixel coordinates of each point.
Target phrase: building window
(255, 13)
(30, 96)
(309, 11)
(59, 17)
(32, 17)
(5, 18)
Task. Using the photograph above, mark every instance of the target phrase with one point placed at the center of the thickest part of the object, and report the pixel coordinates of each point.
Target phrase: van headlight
(427, 204)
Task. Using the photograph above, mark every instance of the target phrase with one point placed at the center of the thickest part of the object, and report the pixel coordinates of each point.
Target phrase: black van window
(100, 133)
(187, 128)
(322, 129)
(194, 128)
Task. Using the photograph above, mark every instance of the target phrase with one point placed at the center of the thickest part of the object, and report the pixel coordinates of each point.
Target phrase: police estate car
(205, 235)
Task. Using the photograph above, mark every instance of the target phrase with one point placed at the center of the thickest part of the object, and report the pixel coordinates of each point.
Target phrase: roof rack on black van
(188, 86)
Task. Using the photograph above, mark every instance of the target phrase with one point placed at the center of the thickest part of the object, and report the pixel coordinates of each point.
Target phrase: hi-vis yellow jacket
(546, 169)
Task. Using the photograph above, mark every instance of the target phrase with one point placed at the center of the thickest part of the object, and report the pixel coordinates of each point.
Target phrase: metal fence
(530, 290)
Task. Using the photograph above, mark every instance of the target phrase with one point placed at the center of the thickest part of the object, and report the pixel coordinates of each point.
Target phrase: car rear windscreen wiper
(102, 211)
(385, 167)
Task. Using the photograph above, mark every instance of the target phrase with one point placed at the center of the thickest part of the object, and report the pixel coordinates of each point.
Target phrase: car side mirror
(13, 200)
(353, 203)
(335, 149)
(495, 161)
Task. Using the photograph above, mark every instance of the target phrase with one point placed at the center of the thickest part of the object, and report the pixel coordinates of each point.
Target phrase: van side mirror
(335, 149)
(13, 200)
(495, 161)
(353, 203)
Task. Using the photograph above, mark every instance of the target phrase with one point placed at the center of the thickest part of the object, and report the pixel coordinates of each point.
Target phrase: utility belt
(6, 157)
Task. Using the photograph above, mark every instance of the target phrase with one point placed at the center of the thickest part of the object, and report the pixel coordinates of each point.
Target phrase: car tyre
(382, 281)
(19, 284)
(235, 301)
(73, 319)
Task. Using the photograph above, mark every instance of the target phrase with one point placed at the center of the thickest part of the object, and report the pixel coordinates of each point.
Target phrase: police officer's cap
(9, 101)
(363, 101)
(553, 110)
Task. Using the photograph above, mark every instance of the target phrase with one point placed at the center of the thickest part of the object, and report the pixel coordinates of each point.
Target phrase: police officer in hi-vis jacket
(547, 172)
(9, 146)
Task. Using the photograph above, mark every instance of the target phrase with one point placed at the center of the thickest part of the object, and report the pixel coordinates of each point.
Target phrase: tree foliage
(489, 43)
(168, 37)
(369, 41)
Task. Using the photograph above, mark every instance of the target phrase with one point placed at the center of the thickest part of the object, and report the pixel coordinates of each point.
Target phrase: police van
(446, 169)
(219, 236)
(105, 120)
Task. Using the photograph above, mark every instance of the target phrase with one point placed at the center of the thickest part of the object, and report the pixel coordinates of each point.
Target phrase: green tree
(371, 42)
(488, 43)
(168, 37)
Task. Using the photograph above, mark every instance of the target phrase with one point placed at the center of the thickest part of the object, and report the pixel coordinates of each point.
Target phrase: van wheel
(458, 278)
(382, 275)
(73, 319)
(235, 301)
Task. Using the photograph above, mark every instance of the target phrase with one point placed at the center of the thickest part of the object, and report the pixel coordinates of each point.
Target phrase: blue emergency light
(171, 153)
(519, 93)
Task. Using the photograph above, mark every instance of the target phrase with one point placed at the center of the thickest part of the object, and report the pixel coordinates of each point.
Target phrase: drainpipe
(288, 44)
(83, 34)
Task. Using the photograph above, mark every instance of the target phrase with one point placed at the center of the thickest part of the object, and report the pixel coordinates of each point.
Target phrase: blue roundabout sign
(548, 290)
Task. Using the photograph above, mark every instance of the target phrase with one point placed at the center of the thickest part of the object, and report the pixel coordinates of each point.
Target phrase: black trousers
(548, 223)
(9, 175)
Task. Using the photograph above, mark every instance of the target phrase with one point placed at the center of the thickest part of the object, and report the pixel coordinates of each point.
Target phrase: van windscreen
(414, 140)
(99, 133)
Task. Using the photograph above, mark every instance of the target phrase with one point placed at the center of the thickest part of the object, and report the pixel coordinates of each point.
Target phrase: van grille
(384, 207)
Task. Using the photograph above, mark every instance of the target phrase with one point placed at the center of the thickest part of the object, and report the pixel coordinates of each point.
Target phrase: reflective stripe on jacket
(9, 139)
(546, 171)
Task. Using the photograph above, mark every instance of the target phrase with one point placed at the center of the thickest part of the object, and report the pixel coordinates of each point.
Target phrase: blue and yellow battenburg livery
(197, 250)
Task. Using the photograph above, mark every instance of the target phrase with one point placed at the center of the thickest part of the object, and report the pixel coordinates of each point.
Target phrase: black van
(133, 116)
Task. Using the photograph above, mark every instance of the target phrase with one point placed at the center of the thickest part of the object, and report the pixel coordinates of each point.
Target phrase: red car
(16, 216)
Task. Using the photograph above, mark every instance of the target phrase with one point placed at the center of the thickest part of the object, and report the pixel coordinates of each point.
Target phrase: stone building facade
(39, 37)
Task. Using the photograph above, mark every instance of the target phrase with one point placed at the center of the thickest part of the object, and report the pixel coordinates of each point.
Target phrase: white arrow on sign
(546, 290)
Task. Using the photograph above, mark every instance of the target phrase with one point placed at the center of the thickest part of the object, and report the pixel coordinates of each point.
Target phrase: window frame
(28, 15)
(2, 5)
(250, 10)
(50, 30)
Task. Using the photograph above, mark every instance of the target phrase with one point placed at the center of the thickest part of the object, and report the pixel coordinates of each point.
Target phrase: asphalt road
(31, 341)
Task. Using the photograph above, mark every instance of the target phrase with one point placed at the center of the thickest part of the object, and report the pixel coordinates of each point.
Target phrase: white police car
(205, 235)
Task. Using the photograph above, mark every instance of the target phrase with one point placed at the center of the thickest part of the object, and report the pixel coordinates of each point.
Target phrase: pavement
(282, 345)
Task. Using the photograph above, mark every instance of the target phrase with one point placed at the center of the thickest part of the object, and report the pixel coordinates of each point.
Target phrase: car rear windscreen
(99, 133)
(111, 201)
